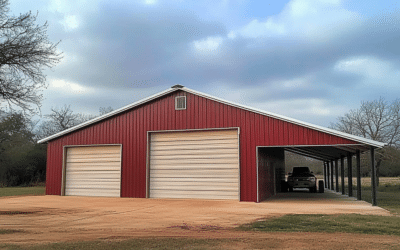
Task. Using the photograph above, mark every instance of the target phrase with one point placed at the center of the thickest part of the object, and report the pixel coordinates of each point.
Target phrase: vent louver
(180, 102)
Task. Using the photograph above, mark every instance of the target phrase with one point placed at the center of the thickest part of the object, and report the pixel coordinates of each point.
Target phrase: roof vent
(180, 102)
(177, 86)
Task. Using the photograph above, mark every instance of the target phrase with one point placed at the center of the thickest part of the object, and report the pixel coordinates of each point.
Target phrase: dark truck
(302, 177)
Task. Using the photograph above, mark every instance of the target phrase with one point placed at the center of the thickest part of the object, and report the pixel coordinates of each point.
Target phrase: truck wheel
(321, 186)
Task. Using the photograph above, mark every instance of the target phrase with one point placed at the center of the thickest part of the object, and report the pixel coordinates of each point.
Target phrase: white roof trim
(258, 111)
(117, 111)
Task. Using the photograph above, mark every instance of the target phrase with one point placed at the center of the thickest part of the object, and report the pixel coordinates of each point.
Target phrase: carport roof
(328, 152)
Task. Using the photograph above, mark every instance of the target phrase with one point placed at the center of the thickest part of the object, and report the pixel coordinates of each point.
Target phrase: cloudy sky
(312, 60)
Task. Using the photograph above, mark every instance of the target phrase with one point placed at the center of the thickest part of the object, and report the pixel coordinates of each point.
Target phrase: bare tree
(25, 52)
(377, 120)
(60, 119)
(105, 110)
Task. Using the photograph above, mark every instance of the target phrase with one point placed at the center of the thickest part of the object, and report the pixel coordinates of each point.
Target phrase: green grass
(388, 196)
(10, 231)
(14, 191)
(158, 243)
(363, 224)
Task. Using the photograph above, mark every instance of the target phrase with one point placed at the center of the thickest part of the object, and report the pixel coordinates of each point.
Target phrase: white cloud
(210, 44)
(150, 2)
(310, 20)
(63, 86)
(369, 67)
(70, 22)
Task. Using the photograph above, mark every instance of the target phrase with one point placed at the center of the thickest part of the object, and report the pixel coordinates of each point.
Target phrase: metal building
(181, 143)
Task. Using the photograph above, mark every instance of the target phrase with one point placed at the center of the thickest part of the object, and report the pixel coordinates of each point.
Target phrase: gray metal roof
(364, 145)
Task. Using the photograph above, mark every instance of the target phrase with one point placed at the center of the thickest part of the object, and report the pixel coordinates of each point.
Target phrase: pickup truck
(302, 177)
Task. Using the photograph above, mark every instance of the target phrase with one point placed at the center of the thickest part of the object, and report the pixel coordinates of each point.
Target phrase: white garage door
(201, 164)
(93, 171)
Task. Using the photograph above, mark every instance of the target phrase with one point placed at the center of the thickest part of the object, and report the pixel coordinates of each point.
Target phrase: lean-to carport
(332, 154)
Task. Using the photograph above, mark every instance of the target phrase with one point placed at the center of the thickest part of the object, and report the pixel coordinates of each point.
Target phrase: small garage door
(201, 164)
(93, 171)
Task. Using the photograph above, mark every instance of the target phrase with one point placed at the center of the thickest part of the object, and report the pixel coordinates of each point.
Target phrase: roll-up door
(199, 164)
(93, 171)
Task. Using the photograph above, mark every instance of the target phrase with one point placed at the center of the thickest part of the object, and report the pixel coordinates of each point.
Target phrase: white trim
(189, 130)
(176, 102)
(290, 120)
(64, 165)
(258, 184)
(117, 111)
(300, 146)
(258, 111)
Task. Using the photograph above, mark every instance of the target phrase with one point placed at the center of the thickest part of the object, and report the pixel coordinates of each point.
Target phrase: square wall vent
(180, 102)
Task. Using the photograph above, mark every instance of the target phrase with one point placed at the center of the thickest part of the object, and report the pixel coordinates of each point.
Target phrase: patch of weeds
(363, 224)
(10, 231)
(156, 243)
(18, 212)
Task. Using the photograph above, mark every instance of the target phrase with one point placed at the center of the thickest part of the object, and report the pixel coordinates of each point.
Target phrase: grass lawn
(158, 243)
(352, 223)
(14, 191)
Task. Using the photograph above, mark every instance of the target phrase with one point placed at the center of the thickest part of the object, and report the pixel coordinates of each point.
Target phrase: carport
(333, 154)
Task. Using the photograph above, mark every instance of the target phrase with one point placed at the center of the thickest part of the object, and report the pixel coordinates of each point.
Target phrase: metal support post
(342, 173)
(332, 183)
(350, 174)
(337, 175)
(325, 183)
(358, 160)
(328, 175)
(373, 177)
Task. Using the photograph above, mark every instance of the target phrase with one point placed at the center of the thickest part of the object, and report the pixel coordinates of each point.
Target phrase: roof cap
(177, 86)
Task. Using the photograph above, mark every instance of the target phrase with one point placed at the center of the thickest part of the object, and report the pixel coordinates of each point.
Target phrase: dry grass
(366, 181)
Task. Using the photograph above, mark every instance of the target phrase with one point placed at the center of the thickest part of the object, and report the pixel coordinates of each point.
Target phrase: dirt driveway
(65, 218)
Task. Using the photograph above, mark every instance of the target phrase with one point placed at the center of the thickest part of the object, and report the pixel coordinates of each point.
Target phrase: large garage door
(201, 164)
(93, 171)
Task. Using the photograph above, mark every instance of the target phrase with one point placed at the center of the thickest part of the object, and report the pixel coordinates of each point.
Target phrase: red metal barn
(181, 143)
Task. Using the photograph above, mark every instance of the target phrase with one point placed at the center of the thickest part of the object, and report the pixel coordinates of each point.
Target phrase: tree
(22, 161)
(60, 119)
(25, 52)
(378, 120)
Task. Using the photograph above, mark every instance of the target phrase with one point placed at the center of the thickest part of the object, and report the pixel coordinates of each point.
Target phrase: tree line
(25, 51)
(22, 159)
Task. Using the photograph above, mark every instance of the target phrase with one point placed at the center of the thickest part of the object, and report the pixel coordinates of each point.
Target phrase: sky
(312, 60)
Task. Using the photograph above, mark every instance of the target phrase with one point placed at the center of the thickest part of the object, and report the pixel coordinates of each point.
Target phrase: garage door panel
(96, 167)
(93, 150)
(231, 150)
(196, 155)
(93, 156)
(93, 171)
(192, 146)
(194, 172)
(195, 166)
(94, 160)
(195, 180)
(195, 194)
(93, 192)
(207, 185)
(196, 161)
(201, 164)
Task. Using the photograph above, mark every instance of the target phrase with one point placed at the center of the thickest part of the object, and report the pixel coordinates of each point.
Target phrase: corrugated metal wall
(130, 130)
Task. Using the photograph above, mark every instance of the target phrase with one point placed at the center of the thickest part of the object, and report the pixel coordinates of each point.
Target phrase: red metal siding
(130, 130)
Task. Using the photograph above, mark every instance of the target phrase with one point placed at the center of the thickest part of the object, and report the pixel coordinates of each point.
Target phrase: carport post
(328, 173)
(358, 174)
(325, 184)
(342, 173)
(332, 183)
(337, 175)
(373, 176)
(350, 174)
